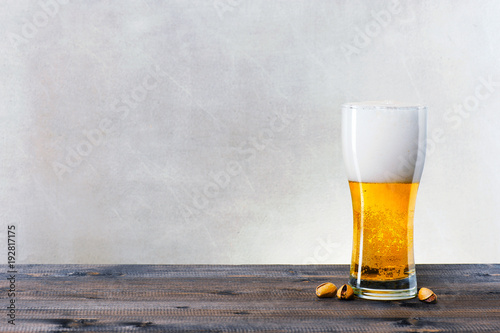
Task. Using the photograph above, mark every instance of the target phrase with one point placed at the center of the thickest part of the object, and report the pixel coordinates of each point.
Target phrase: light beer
(383, 145)
(383, 230)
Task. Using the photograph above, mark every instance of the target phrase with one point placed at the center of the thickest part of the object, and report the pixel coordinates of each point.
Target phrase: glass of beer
(383, 144)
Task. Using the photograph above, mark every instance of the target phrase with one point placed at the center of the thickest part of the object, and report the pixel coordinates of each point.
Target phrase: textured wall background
(208, 131)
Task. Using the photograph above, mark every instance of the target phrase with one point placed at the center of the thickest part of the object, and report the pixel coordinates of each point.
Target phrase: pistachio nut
(427, 295)
(345, 292)
(326, 289)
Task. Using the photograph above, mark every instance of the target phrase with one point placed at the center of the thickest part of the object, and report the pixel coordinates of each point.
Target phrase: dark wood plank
(273, 298)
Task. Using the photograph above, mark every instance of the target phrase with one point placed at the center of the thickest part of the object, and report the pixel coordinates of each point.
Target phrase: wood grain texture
(271, 298)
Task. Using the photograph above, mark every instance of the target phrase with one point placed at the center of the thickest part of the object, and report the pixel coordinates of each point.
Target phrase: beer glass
(383, 145)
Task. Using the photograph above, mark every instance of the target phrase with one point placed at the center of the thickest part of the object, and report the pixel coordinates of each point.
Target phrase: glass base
(385, 290)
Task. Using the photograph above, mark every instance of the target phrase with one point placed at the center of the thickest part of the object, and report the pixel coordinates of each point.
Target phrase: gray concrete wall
(208, 131)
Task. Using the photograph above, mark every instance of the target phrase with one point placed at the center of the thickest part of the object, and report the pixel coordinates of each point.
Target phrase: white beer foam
(384, 141)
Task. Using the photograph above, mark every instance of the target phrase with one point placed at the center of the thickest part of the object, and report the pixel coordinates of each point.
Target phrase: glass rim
(378, 105)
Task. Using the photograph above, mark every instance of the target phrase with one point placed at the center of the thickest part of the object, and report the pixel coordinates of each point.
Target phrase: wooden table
(275, 298)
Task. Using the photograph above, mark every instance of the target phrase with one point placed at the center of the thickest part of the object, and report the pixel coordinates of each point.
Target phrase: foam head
(384, 142)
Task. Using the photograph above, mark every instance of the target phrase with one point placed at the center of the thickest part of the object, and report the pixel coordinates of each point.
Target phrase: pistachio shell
(345, 292)
(326, 289)
(427, 295)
